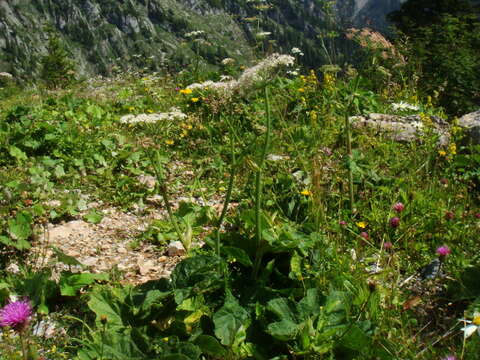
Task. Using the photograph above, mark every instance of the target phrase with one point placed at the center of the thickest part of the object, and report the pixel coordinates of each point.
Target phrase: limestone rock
(176, 248)
(471, 126)
(402, 128)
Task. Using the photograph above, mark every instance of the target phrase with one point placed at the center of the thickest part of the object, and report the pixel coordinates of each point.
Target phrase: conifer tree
(57, 70)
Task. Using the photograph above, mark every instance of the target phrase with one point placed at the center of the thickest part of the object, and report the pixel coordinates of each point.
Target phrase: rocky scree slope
(104, 35)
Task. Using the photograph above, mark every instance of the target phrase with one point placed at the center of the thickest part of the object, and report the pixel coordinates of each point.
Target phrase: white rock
(175, 248)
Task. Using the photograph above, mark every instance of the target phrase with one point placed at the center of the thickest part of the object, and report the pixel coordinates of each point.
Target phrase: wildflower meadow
(237, 214)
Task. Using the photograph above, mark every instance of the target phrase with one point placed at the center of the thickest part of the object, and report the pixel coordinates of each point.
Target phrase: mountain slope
(104, 35)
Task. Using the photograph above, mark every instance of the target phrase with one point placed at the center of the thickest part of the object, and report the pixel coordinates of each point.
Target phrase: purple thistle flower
(394, 222)
(16, 315)
(398, 207)
(443, 251)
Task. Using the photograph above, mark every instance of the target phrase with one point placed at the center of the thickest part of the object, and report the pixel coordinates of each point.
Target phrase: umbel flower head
(16, 315)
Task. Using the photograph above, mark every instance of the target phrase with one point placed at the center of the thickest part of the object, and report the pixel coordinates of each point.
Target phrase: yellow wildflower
(149, 111)
(301, 90)
(452, 149)
(362, 224)
(194, 100)
(186, 91)
(442, 153)
(131, 108)
(306, 192)
(169, 142)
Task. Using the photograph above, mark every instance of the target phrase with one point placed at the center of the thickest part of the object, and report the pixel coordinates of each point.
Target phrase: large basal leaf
(283, 330)
(231, 322)
(106, 302)
(70, 284)
(210, 345)
(196, 275)
(235, 254)
(20, 230)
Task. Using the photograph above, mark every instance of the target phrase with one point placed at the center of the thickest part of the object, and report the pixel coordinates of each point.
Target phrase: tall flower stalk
(259, 186)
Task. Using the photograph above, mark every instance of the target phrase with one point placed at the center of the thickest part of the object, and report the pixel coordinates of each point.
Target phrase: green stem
(258, 186)
(164, 193)
(228, 196)
(349, 159)
(22, 342)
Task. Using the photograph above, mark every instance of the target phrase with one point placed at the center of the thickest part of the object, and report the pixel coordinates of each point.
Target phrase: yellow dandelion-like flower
(186, 91)
(362, 224)
(442, 153)
(301, 90)
(169, 142)
(195, 99)
(306, 192)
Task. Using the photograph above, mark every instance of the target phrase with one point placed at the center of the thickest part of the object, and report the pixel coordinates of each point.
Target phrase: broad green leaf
(210, 345)
(283, 330)
(20, 227)
(70, 284)
(230, 321)
(282, 308)
(235, 254)
(93, 217)
(17, 153)
(105, 302)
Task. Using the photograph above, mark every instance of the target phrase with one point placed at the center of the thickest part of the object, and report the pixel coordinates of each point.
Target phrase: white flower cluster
(262, 71)
(194, 33)
(404, 106)
(228, 61)
(173, 114)
(297, 51)
(6, 75)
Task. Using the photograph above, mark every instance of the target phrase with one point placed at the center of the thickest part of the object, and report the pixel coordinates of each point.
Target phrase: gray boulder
(402, 128)
(470, 123)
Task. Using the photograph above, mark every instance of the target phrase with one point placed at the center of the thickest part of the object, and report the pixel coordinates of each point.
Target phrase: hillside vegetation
(240, 213)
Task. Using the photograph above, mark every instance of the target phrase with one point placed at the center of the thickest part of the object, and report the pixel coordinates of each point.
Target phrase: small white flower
(404, 106)
(297, 51)
(474, 325)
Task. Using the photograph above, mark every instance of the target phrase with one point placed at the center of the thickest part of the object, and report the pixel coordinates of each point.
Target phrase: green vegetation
(432, 27)
(304, 237)
(320, 256)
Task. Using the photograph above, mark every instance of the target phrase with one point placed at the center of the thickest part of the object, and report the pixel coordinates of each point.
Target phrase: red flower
(394, 222)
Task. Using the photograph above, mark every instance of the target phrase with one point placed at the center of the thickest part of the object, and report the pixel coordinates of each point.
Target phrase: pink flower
(477, 215)
(16, 314)
(342, 222)
(443, 251)
(450, 357)
(398, 207)
(364, 235)
(387, 245)
(394, 222)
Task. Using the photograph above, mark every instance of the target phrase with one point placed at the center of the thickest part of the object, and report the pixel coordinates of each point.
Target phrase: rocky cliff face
(104, 35)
